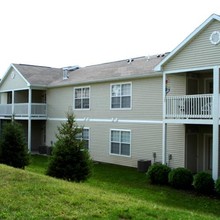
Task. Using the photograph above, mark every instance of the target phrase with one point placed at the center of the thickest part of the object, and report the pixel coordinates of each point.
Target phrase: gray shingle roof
(124, 69)
(139, 67)
(39, 75)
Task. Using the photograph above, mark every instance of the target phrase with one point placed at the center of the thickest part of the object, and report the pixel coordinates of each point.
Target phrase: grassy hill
(112, 193)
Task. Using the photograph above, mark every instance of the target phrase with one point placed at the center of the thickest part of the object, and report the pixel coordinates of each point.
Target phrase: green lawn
(113, 192)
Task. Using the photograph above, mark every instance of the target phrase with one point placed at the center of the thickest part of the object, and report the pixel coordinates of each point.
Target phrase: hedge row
(182, 178)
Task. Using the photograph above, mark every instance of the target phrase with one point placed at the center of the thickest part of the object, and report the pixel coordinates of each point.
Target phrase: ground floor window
(120, 142)
(85, 137)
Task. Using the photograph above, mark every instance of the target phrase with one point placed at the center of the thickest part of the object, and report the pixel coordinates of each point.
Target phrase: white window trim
(120, 83)
(89, 136)
(118, 155)
(81, 109)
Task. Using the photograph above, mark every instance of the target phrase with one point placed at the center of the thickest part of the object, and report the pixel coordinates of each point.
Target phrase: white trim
(185, 41)
(189, 121)
(139, 121)
(121, 83)
(10, 90)
(110, 120)
(81, 87)
(121, 130)
(189, 70)
(88, 128)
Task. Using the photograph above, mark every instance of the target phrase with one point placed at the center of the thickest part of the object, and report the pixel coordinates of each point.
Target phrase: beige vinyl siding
(199, 52)
(176, 145)
(51, 131)
(145, 139)
(59, 100)
(10, 83)
(177, 84)
(146, 101)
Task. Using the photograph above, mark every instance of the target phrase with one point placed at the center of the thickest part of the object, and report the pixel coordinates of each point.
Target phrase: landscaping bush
(13, 146)
(70, 160)
(217, 186)
(158, 174)
(180, 178)
(204, 183)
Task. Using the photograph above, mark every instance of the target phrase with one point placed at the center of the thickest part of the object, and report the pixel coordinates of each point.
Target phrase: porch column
(13, 102)
(164, 138)
(29, 118)
(215, 142)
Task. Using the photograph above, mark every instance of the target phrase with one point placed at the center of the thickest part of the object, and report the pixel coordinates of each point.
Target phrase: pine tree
(69, 160)
(13, 146)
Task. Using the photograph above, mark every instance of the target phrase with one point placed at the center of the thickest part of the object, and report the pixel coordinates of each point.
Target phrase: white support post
(29, 118)
(164, 138)
(13, 103)
(215, 150)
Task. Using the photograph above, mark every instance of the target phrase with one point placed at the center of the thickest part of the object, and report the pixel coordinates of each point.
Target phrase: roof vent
(130, 60)
(66, 71)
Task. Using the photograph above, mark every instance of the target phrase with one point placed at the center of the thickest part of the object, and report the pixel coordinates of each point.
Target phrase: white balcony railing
(189, 106)
(21, 109)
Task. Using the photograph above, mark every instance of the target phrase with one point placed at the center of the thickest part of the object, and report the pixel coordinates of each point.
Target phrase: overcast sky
(60, 33)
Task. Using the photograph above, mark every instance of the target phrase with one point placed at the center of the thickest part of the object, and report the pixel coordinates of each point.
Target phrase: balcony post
(164, 137)
(13, 102)
(215, 150)
(29, 118)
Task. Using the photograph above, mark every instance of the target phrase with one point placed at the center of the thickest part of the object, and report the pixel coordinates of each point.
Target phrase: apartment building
(162, 108)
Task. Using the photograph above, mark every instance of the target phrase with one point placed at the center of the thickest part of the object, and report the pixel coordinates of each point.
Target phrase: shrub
(181, 178)
(14, 151)
(69, 160)
(204, 183)
(217, 186)
(158, 174)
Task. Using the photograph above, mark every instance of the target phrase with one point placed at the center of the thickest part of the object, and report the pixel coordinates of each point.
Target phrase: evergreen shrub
(180, 178)
(158, 174)
(13, 146)
(217, 186)
(204, 183)
(70, 160)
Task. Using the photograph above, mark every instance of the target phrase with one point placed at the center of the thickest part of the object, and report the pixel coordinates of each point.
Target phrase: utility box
(143, 165)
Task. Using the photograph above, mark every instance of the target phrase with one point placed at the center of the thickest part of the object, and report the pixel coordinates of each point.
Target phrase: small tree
(69, 160)
(13, 146)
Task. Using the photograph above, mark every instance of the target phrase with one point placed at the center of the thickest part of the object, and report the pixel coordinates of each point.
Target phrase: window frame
(74, 98)
(81, 136)
(110, 142)
(120, 108)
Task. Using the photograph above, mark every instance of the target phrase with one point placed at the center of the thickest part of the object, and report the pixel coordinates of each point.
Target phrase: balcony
(21, 110)
(189, 107)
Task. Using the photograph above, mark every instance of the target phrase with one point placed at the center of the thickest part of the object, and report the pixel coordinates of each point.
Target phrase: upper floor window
(121, 96)
(81, 98)
(120, 142)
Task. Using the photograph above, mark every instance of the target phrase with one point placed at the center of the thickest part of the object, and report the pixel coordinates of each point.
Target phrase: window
(81, 98)
(85, 137)
(120, 142)
(121, 96)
